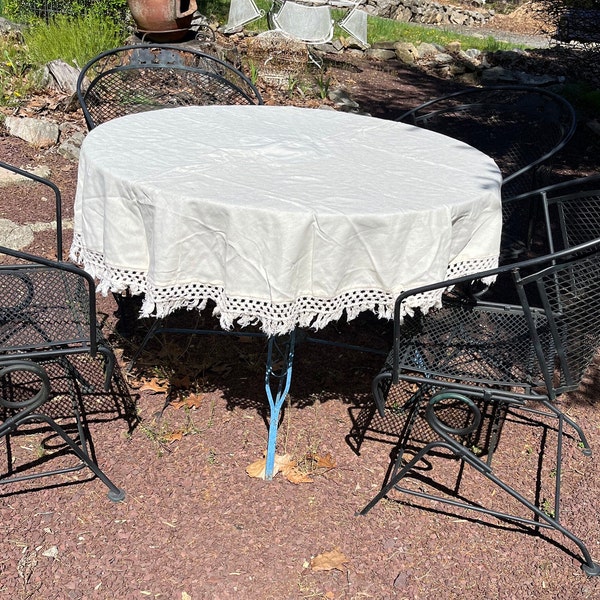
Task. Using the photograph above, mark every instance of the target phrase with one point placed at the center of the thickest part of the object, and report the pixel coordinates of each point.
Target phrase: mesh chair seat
(483, 343)
(39, 319)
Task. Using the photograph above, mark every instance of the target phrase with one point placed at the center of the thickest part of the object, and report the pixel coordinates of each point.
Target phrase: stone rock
(63, 76)
(473, 53)
(432, 17)
(38, 132)
(454, 47)
(426, 50)
(71, 147)
(406, 52)
(403, 13)
(443, 72)
(469, 78)
(500, 75)
(457, 69)
(539, 80)
(341, 98)
(385, 8)
(468, 61)
(15, 236)
(9, 178)
(384, 45)
(380, 54)
(6, 26)
(428, 12)
(443, 59)
(457, 18)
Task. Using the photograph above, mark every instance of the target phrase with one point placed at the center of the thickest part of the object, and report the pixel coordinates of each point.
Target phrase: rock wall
(429, 12)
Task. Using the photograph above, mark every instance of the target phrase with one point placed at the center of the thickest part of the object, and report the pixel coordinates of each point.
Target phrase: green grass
(388, 30)
(74, 40)
(15, 82)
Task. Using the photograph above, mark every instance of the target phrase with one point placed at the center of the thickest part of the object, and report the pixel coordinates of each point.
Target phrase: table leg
(278, 376)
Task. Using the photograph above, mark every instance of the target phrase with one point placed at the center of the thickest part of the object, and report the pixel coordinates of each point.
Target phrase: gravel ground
(195, 525)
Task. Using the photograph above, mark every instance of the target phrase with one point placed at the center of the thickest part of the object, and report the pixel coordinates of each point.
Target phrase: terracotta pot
(173, 17)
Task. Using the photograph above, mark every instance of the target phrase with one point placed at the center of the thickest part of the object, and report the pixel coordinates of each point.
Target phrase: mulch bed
(195, 525)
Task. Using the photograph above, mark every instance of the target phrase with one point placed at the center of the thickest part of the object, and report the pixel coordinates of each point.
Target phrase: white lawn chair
(242, 12)
(306, 22)
(355, 23)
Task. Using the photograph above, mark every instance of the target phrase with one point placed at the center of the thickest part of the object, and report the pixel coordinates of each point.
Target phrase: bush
(15, 80)
(72, 39)
(18, 10)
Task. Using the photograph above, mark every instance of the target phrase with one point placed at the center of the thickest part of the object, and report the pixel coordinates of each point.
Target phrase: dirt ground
(195, 525)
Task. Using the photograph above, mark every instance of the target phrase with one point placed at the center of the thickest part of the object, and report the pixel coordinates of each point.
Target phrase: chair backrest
(143, 77)
(568, 290)
(355, 24)
(47, 308)
(242, 12)
(563, 215)
(520, 127)
(572, 212)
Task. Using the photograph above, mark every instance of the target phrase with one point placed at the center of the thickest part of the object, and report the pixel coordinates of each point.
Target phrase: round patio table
(284, 217)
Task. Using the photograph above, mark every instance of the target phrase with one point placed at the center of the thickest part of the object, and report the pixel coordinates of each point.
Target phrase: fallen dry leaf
(159, 386)
(192, 401)
(258, 467)
(329, 561)
(325, 462)
(294, 475)
(173, 436)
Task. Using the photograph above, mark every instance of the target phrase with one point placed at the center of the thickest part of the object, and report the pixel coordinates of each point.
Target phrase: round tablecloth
(282, 216)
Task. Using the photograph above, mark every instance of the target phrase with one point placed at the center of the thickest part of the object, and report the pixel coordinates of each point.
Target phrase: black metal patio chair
(461, 372)
(143, 77)
(520, 127)
(47, 327)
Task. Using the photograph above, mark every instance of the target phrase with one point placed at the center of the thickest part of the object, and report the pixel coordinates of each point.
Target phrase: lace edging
(273, 319)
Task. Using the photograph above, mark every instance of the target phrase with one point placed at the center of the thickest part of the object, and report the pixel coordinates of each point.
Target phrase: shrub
(72, 39)
(18, 10)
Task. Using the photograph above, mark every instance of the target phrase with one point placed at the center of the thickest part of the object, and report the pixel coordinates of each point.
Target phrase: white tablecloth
(282, 216)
